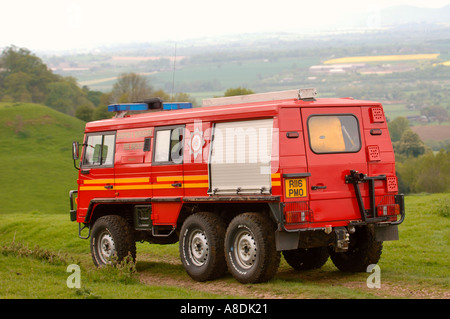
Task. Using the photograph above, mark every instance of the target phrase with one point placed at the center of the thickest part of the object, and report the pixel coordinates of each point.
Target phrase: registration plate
(295, 187)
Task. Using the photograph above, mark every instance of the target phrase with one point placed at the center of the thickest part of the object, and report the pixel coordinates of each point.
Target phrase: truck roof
(218, 113)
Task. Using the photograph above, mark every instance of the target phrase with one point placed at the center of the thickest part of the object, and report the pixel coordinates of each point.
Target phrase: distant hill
(35, 158)
(398, 16)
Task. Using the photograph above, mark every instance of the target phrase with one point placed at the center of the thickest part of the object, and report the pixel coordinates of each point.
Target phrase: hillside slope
(35, 158)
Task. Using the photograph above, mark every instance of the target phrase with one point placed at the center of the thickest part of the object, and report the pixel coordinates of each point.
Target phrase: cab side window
(334, 134)
(99, 150)
(168, 147)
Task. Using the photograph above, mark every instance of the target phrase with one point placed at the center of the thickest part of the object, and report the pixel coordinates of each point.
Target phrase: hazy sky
(68, 24)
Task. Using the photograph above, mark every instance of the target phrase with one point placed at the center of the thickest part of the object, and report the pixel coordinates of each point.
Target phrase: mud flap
(386, 233)
(286, 240)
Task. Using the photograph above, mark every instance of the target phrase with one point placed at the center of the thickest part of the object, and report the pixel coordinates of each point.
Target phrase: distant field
(382, 58)
(109, 79)
(432, 132)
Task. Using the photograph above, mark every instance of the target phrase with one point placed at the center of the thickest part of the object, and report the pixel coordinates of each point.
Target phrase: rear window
(334, 134)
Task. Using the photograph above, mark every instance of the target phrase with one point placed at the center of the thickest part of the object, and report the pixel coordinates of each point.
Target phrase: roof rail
(301, 94)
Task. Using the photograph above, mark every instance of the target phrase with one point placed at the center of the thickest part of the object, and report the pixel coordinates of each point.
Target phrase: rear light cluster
(388, 206)
(297, 212)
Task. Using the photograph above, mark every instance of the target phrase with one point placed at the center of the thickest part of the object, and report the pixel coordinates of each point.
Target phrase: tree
(61, 97)
(397, 127)
(131, 87)
(15, 63)
(409, 145)
(16, 86)
(85, 112)
(238, 91)
(433, 173)
(93, 96)
(177, 97)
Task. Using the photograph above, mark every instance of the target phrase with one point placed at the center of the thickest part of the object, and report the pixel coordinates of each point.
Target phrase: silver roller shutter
(240, 157)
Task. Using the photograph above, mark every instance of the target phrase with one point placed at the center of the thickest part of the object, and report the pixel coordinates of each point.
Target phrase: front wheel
(111, 238)
(250, 248)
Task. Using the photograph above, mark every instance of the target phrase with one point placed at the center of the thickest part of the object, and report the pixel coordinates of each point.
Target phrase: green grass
(35, 157)
(417, 263)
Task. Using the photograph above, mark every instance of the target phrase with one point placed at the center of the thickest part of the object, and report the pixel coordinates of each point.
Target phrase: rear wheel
(201, 246)
(111, 238)
(363, 251)
(250, 248)
(306, 258)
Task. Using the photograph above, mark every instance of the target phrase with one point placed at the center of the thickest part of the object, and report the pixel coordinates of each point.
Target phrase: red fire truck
(240, 181)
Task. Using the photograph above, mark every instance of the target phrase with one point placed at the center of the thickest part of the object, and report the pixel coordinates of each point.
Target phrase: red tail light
(388, 207)
(388, 210)
(297, 212)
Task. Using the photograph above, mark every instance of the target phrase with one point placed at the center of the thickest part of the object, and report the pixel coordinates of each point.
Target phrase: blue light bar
(177, 105)
(128, 107)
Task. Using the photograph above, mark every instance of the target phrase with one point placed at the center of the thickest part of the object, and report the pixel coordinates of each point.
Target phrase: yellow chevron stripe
(180, 178)
(196, 178)
(133, 180)
(118, 181)
(137, 187)
(196, 185)
(99, 181)
(92, 188)
(128, 187)
(169, 178)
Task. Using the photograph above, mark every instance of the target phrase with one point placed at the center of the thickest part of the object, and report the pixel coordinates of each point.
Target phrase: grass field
(35, 156)
(416, 266)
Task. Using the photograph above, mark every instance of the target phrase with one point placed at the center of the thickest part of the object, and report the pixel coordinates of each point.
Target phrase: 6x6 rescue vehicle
(239, 181)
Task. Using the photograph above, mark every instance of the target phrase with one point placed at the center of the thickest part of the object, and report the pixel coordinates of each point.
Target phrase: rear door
(334, 146)
(167, 174)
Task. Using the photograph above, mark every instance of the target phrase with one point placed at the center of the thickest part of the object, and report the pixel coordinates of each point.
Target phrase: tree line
(419, 168)
(24, 77)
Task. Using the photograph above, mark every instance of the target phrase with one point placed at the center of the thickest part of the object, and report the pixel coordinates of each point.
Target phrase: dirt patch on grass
(168, 271)
(149, 274)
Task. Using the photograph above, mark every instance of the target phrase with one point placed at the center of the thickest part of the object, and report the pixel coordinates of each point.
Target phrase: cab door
(167, 174)
(96, 177)
(334, 146)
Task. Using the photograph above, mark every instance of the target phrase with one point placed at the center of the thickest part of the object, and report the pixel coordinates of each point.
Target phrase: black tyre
(306, 258)
(111, 239)
(363, 251)
(201, 246)
(250, 248)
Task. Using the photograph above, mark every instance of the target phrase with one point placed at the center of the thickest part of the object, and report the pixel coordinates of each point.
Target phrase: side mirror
(75, 153)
